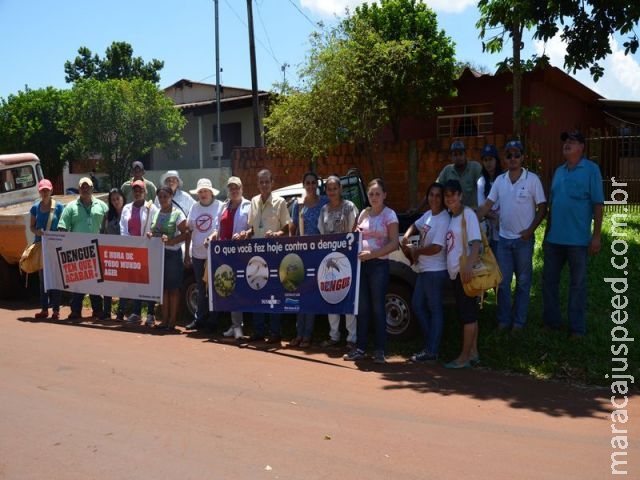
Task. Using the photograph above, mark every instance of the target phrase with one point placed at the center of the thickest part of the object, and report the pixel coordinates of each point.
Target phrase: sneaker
(423, 356)
(378, 357)
(55, 316)
(151, 320)
(42, 314)
(134, 318)
(229, 332)
(193, 325)
(237, 333)
(353, 355)
(329, 342)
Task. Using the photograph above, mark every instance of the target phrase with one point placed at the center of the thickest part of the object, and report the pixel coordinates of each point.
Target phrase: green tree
(118, 63)
(382, 64)
(510, 18)
(121, 120)
(585, 25)
(30, 122)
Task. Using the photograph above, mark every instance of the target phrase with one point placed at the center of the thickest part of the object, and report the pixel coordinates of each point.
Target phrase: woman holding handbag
(45, 214)
(463, 248)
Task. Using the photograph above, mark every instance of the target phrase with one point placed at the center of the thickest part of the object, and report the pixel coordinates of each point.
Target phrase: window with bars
(466, 120)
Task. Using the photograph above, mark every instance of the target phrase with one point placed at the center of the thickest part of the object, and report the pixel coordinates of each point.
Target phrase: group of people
(468, 196)
(509, 206)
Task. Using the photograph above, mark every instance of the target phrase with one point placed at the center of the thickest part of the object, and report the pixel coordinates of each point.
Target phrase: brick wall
(391, 163)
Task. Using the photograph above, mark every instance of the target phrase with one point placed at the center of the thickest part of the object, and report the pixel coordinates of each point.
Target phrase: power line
(302, 13)
(244, 23)
(266, 34)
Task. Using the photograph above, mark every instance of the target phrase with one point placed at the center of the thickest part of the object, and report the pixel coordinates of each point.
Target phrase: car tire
(190, 293)
(400, 318)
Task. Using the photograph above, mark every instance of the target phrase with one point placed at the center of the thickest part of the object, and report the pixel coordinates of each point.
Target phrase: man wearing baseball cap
(522, 207)
(85, 215)
(467, 172)
(576, 201)
(137, 170)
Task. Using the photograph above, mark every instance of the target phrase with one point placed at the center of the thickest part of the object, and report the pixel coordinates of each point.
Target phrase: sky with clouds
(622, 72)
(40, 36)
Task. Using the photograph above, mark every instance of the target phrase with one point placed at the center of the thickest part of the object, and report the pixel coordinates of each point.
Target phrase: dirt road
(83, 401)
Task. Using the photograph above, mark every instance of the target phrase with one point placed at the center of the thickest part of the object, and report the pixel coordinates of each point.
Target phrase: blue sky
(40, 35)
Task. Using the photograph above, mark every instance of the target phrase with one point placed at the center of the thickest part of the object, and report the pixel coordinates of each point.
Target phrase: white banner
(112, 265)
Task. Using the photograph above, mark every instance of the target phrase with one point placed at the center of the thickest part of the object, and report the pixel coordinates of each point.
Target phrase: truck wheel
(190, 294)
(400, 321)
(10, 281)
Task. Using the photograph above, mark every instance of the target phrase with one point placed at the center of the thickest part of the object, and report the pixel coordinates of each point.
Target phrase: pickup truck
(402, 276)
(400, 319)
(19, 177)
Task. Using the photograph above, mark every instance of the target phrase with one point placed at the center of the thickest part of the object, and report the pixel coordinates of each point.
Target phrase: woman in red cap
(45, 214)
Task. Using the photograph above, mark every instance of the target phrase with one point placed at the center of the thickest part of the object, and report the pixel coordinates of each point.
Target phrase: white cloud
(451, 6)
(621, 72)
(327, 8)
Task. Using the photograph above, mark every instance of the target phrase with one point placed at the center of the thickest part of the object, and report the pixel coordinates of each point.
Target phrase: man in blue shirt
(576, 200)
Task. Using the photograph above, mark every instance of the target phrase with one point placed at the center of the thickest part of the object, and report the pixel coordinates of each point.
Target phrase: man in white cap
(84, 216)
(137, 170)
(181, 199)
(201, 223)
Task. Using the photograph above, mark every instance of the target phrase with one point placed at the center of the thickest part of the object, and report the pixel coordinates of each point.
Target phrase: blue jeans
(427, 305)
(259, 320)
(374, 279)
(514, 256)
(76, 303)
(49, 298)
(555, 257)
(304, 324)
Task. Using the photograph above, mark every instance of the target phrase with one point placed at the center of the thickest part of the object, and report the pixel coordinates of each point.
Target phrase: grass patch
(552, 355)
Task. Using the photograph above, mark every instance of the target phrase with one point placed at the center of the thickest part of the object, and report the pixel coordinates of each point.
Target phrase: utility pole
(218, 134)
(257, 133)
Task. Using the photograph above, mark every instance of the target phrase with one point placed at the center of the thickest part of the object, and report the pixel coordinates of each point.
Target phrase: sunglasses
(513, 155)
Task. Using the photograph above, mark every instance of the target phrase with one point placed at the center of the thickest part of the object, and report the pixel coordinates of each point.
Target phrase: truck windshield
(17, 178)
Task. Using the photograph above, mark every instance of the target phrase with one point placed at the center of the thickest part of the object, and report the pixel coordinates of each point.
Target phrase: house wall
(198, 134)
(392, 164)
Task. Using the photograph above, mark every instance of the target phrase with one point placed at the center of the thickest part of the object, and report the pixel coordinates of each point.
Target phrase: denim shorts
(468, 307)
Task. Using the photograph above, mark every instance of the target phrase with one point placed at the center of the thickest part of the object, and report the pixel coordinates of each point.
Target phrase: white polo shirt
(518, 201)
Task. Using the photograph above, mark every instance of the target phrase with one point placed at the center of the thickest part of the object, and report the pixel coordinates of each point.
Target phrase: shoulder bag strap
(300, 218)
(146, 220)
(51, 212)
(465, 243)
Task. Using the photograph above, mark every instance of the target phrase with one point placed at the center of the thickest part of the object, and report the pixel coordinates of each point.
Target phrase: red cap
(139, 183)
(44, 184)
